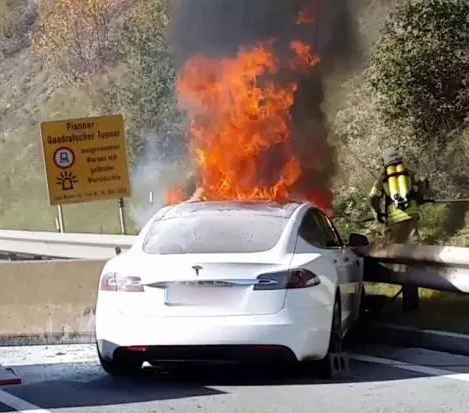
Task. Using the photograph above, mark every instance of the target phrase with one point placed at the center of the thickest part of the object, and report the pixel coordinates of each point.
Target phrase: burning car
(229, 281)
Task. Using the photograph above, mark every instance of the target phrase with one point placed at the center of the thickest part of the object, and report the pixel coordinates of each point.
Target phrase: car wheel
(335, 340)
(322, 367)
(121, 366)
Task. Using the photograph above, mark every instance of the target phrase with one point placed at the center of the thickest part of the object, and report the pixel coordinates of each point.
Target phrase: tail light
(287, 280)
(116, 283)
(136, 349)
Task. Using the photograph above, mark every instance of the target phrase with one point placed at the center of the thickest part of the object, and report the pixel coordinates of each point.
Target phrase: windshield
(215, 233)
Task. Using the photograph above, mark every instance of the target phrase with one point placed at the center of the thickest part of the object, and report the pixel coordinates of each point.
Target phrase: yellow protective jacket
(380, 191)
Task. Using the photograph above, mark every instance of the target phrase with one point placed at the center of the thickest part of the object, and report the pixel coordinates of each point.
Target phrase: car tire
(335, 339)
(122, 366)
(322, 366)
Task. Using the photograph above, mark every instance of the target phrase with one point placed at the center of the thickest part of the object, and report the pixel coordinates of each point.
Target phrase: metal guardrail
(52, 245)
(441, 268)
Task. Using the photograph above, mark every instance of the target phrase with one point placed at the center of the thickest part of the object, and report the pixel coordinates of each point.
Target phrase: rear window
(214, 233)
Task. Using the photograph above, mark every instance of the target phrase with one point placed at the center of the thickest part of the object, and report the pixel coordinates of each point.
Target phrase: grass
(438, 310)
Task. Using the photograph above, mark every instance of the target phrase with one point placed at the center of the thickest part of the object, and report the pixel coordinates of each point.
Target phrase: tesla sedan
(229, 281)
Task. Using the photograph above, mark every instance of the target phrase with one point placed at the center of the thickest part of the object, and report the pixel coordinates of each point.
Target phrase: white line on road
(20, 405)
(431, 371)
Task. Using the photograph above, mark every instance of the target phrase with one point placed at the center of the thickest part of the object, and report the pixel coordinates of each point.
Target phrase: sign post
(86, 160)
(60, 221)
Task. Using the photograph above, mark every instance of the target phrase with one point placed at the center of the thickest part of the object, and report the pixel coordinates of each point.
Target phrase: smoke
(217, 28)
(157, 169)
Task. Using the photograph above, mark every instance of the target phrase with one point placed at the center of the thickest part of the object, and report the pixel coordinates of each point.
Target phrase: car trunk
(206, 285)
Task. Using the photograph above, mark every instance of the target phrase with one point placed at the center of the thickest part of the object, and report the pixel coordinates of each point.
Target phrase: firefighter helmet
(391, 156)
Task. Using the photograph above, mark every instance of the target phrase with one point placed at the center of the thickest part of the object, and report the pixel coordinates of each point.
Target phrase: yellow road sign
(85, 159)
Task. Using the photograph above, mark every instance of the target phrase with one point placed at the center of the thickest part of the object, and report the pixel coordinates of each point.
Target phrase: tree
(75, 38)
(14, 25)
(10, 15)
(143, 85)
(420, 67)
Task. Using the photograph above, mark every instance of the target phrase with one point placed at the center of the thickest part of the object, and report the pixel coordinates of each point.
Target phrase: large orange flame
(239, 119)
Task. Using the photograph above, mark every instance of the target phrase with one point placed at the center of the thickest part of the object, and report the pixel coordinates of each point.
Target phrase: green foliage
(10, 17)
(352, 208)
(420, 66)
(420, 46)
(143, 85)
(75, 38)
(131, 72)
(13, 16)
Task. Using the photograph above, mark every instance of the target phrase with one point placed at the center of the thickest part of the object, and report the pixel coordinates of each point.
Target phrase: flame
(304, 53)
(175, 196)
(239, 123)
(237, 114)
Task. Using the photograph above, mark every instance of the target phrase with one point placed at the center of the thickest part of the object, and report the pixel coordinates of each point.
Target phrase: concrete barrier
(47, 302)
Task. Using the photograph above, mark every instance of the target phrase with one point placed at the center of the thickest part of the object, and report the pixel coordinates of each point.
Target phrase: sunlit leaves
(75, 38)
(420, 66)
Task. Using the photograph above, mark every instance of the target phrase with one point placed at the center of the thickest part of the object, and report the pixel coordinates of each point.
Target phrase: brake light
(287, 280)
(137, 349)
(116, 283)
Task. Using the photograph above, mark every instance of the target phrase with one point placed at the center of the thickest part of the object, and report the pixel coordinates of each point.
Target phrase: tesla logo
(197, 268)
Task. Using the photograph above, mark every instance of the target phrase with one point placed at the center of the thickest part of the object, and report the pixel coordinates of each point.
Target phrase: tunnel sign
(85, 159)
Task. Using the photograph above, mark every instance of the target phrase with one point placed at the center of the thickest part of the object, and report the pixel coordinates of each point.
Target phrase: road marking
(431, 371)
(20, 405)
(435, 332)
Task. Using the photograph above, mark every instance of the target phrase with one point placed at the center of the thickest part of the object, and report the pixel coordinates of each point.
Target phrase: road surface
(68, 379)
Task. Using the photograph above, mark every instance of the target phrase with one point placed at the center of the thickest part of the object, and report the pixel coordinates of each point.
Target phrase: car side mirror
(358, 240)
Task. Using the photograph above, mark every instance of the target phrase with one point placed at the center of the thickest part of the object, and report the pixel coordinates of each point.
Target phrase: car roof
(269, 208)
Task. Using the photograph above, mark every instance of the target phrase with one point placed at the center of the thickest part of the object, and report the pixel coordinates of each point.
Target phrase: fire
(239, 122)
(304, 53)
(175, 196)
(237, 114)
(306, 16)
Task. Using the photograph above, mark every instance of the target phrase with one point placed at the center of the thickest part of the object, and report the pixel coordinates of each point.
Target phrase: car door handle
(346, 259)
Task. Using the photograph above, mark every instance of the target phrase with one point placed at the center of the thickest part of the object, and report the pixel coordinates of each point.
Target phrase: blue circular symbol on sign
(64, 158)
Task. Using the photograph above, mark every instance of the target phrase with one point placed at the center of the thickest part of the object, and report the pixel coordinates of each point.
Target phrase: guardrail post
(410, 298)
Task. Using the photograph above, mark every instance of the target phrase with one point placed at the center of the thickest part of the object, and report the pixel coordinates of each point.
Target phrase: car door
(355, 269)
(314, 235)
(345, 265)
(355, 264)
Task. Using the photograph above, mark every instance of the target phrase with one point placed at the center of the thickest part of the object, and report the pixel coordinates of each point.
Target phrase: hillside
(131, 72)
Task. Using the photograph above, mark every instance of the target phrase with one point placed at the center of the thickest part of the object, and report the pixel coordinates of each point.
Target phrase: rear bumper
(251, 354)
(301, 332)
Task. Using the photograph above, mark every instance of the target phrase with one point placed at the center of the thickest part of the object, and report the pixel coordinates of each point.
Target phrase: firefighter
(402, 194)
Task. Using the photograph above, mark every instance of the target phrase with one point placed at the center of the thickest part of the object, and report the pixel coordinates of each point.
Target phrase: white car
(229, 281)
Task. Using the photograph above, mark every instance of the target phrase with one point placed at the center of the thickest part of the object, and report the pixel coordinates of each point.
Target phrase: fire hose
(426, 201)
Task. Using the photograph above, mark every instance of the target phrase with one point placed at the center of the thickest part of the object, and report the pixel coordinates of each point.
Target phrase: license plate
(180, 294)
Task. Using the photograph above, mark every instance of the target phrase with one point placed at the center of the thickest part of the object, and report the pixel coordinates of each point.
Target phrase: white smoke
(151, 178)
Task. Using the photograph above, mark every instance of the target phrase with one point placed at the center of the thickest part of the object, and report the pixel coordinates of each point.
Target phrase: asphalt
(68, 379)
(4, 408)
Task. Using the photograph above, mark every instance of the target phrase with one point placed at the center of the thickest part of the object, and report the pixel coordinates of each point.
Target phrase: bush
(420, 67)
(11, 24)
(142, 86)
(76, 38)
